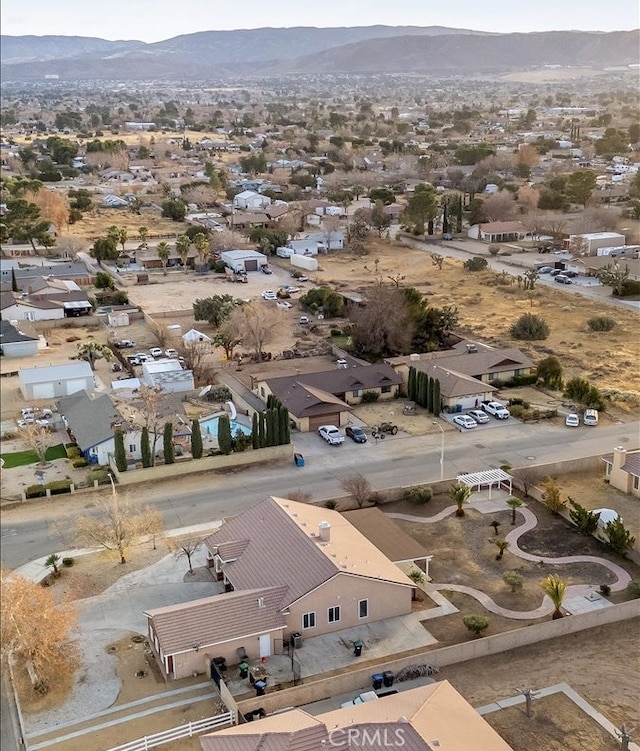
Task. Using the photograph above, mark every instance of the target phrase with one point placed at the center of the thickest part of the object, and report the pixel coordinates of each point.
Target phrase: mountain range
(305, 50)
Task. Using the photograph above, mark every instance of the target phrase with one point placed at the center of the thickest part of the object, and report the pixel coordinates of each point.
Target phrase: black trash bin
(387, 678)
(376, 680)
(357, 648)
(260, 687)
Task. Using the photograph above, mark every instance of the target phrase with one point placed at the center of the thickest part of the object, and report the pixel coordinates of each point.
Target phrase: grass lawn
(22, 458)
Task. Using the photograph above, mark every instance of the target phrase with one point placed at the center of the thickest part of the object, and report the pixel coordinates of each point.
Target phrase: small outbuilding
(14, 342)
(244, 260)
(56, 380)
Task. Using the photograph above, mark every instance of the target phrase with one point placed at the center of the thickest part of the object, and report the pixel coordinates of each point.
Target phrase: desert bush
(73, 451)
(331, 505)
(101, 475)
(476, 623)
(78, 462)
(514, 579)
(530, 328)
(68, 562)
(518, 411)
(219, 394)
(633, 589)
(582, 392)
(494, 250)
(477, 263)
(369, 397)
(600, 323)
(419, 495)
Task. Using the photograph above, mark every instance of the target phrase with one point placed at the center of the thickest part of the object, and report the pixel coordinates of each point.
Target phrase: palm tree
(164, 251)
(121, 236)
(502, 545)
(201, 242)
(459, 494)
(183, 246)
(144, 236)
(513, 503)
(555, 588)
(53, 560)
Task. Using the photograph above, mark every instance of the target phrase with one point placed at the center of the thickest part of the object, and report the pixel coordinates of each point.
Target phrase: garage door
(316, 422)
(251, 265)
(43, 391)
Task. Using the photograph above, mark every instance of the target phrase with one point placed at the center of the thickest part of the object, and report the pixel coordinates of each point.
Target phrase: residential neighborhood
(319, 402)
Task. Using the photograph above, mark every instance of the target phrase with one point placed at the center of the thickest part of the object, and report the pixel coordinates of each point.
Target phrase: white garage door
(43, 391)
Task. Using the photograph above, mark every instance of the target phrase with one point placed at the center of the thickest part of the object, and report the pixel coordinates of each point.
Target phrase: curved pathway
(530, 522)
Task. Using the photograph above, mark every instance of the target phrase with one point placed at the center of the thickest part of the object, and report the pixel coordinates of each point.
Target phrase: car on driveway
(555, 272)
(284, 305)
(356, 434)
(563, 279)
(269, 294)
(155, 352)
(331, 435)
(545, 270)
(479, 416)
(124, 343)
(303, 320)
(464, 421)
(171, 353)
(266, 270)
(572, 420)
(291, 289)
(499, 411)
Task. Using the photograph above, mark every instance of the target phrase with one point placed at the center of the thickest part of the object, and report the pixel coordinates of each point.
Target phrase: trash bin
(376, 680)
(297, 640)
(387, 678)
(260, 687)
(357, 648)
(244, 670)
(299, 460)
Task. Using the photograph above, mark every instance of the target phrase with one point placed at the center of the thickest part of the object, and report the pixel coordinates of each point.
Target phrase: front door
(265, 645)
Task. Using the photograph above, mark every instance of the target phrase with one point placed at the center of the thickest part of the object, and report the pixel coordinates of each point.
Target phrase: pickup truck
(331, 435)
(499, 411)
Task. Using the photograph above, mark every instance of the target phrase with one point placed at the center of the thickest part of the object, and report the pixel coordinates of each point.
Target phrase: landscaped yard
(23, 458)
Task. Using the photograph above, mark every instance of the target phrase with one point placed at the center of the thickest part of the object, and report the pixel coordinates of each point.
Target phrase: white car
(269, 294)
(499, 411)
(155, 352)
(464, 421)
(572, 420)
(303, 320)
(142, 357)
(284, 305)
(478, 416)
(331, 434)
(171, 353)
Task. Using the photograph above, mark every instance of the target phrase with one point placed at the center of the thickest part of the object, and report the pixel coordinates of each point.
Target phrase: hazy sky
(154, 20)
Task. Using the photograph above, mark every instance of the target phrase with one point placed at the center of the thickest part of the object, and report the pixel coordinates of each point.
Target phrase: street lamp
(437, 424)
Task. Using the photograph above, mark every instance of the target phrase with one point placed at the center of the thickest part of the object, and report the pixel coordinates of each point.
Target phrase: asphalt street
(397, 461)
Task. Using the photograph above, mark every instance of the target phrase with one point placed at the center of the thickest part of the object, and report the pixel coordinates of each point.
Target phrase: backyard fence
(188, 730)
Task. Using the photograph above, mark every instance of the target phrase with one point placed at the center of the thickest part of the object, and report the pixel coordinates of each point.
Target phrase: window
(518, 371)
(333, 614)
(385, 390)
(309, 620)
(132, 448)
(491, 377)
(636, 482)
(363, 609)
(357, 392)
(608, 472)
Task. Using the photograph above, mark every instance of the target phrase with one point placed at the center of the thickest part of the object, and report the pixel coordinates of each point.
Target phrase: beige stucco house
(287, 568)
(623, 470)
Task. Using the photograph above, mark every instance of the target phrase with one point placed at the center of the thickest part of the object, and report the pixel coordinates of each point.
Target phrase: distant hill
(367, 49)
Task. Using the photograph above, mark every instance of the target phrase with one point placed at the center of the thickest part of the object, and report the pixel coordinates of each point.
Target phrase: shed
(15, 343)
(244, 260)
(193, 335)
(56, 380)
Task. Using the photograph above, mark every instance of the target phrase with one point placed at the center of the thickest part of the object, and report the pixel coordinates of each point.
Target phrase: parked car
(331, 434)
(133, 360)
(572, 420)
(555, 272)
(447, 236)
(571, 274)
(563, 279)
(478, 416)
(124, 343)
(155, 352)
(303, 320)
(142, 357)
(464, 421)
(284, 305)
(360, 699)
(590, 417)
(266, 270)
(268, 294)
(356, 434)
(545, 269)
(171, 352)
(291, 289)
(499, 411)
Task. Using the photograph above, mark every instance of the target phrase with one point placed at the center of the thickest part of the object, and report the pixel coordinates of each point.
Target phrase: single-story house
(277, 210)
(623, 470)
(244, 260)
(249, 200)
(244, 219)
(168, 374)
(15, 343)
(305, 247)
(74, 271)
(286, 567)
(91, 420)
(420, 719)
(16, 306)
(591, 265)
(331, 240)
(51, 381)
(327, 397)
(497, 232)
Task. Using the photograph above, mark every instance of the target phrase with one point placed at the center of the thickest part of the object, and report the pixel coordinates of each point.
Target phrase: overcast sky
(154, 20)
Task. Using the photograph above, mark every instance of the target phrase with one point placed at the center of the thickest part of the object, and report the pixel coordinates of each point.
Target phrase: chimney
(324, 530)
(619, 456)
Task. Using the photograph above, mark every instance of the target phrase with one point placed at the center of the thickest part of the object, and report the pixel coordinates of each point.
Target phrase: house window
(333, 614)
(518, 371)
(132, 448)
(309, 620)
(636, 482)
(608, 470)
(385, 390)
(491, 377)
(363, 609)
(357, 392)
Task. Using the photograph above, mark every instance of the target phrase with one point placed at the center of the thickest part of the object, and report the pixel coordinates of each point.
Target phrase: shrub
(518, 411)
(56, 487)
(331, 505)
(73, 451)
(419, 495)
(526, 379)
(494, 250)
(619, 539)
(633, 589)
(582, 392)
(79, 462)
(514, 579)
(476, 623)
(549, 371)
(68, 562)
(336, 332)
(369, 397)
(35, 491)
(629, 287)
(219, 394)
(530, 328)
(101, 475)
(605, 590)
(601, 323)
(477, 263)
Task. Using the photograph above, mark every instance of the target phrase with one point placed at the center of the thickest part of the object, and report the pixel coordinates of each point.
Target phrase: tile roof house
(497, 232)
(422, 719)
(623, 470)
(306, 569)
(315, 399)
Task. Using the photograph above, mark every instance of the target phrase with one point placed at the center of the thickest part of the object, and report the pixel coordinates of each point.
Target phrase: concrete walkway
(576, 593)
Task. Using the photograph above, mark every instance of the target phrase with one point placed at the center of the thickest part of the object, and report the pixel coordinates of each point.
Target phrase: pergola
(488, 478)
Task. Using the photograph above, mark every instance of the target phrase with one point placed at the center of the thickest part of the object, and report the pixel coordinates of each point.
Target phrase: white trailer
(308, 263)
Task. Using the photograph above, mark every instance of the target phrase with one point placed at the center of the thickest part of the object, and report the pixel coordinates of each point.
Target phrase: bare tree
(151, 397)
(527, 479)
(35, 631)
(38, 438)
(385, 325)
(196, 358)
(500, 206)
(358, 487)
(186, 549)
(256, 325)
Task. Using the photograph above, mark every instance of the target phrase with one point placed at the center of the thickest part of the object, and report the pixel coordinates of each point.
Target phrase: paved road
(397, 461)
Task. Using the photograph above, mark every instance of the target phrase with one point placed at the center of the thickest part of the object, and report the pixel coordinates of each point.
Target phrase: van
(590, 417)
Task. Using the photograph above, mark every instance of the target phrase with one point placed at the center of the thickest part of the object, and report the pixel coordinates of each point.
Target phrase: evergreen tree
(225, 440)
(411, 384)
(430, 395)
(145, 447)
(437, 399)
(14, 281)
(255, 435)
(262, 430)
(275, 427)
(196, 440)
(285, 426)
(119, 454)
(167, 444)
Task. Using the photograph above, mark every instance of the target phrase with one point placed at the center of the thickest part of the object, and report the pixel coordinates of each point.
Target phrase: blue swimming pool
(210, 427)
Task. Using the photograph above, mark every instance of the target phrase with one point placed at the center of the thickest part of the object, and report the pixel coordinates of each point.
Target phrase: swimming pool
(210, 427)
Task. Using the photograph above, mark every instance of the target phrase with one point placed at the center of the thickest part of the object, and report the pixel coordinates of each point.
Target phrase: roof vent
(324, 530)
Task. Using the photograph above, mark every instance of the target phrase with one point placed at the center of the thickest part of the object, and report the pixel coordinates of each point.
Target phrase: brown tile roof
(305, 401)
(216, 619)
(276, 210)
(632, 465)
(385, 534)
(498, 227)
(284, 549)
